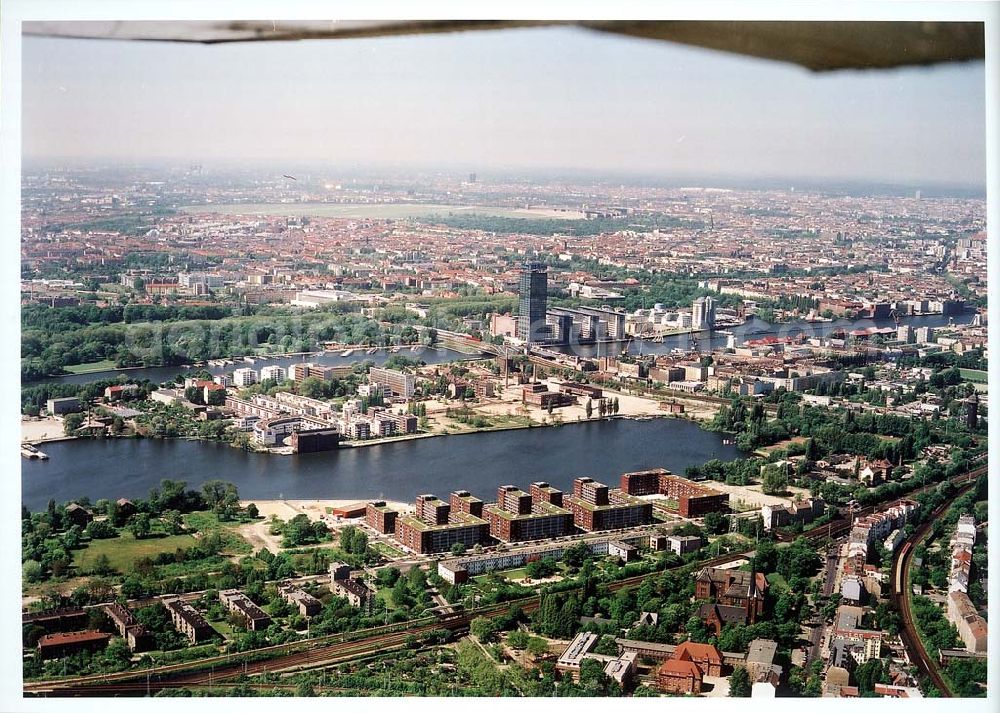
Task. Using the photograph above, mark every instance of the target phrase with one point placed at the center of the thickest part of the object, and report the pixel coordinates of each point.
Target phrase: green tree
(739, 683)
(71, 422)
(139, 525)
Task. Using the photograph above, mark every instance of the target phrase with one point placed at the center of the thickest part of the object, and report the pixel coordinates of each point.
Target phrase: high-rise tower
(533, 291)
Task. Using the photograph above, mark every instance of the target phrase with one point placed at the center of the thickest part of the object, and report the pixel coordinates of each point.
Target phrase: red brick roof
(674, 667)
(690, 650)
(71, 637)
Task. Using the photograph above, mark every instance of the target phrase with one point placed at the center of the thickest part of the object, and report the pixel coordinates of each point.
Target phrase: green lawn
(206, 522)
(125, 550)
(103, 365)
(386, 550)
(777, 582)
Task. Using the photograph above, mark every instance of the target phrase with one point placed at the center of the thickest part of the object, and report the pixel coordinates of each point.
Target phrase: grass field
(777, 582)
(780, 445)
(123, 551)
(974, 375)
(387, 550)
(383, 210)
(206, 522)
(103, 365)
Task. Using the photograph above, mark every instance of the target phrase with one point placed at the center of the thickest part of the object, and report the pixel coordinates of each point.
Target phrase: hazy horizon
(555, 101)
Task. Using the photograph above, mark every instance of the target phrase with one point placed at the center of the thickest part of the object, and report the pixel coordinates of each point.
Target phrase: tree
(484, 629)
(458, 549)
(139, 525)
(739, 683)
(71, 422)
(590, 408)
(537, 646)
(252, 511)
(715, 523)
(102, 565)
(774, 481)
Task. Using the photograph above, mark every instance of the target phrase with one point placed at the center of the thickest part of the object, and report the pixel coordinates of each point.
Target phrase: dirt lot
(43, 429)
(258, 535)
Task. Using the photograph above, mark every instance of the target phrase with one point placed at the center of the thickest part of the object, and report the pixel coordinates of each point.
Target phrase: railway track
(900, 598)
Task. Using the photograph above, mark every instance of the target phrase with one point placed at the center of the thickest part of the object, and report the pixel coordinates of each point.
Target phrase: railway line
(900, 598)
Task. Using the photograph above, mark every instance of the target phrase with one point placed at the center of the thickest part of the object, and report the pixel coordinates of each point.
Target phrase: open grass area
(386, 550)
(777, 582)
(123, 551)
(207, 522)
(780, 445)
(103, 365)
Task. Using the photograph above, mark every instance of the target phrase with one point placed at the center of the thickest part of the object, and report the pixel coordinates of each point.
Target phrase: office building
(532, 300)
(398, 382)
(703, 313)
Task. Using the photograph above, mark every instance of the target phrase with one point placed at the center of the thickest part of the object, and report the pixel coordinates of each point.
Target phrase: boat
(373, 350)
(413, 348)
(347, 352)
(31, 453)
(395, 349)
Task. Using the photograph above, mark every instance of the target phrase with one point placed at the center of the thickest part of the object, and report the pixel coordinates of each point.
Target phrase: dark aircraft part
(819, 46)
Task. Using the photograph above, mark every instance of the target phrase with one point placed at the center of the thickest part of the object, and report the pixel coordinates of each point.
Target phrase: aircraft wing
(819, 45)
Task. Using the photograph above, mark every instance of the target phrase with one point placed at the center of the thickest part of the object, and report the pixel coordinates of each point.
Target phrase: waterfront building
(272, 372)
(596, 507)
(380, 517)
(516, 516)
(244, 377)
(703, 313)
(397, 382)
(435, 528)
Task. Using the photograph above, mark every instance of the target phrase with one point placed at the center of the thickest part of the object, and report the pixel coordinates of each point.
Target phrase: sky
(541, 98)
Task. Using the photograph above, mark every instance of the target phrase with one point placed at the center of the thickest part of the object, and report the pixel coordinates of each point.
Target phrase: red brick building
(596, 507)
(739, 596)
(51, 646)
(675, 676)
(517, 516)
(380, 517)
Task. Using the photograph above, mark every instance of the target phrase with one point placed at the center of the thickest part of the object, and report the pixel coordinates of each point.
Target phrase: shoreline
(380, 441)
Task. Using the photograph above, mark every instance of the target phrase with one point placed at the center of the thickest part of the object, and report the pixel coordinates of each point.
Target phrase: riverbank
(43, 430)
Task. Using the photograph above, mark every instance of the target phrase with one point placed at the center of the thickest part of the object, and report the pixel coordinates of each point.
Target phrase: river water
(477, 462)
